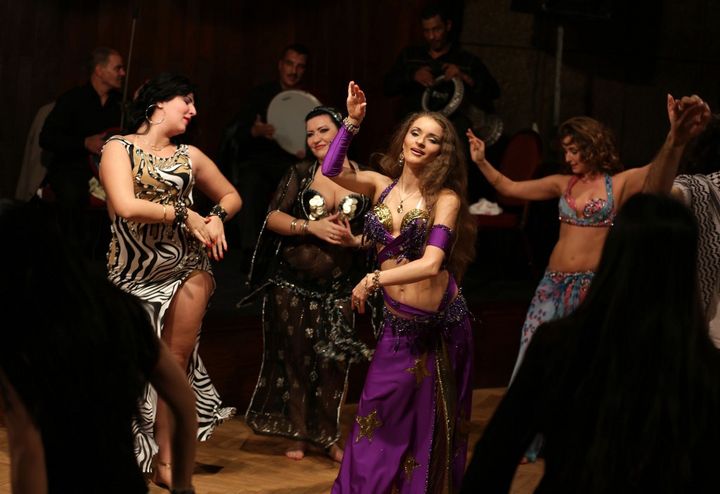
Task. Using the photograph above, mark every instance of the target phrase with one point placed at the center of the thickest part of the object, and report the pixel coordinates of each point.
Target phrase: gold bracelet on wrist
(374, 282)
(351, 127)
(293, 225)
(305, 227)
(164, 213)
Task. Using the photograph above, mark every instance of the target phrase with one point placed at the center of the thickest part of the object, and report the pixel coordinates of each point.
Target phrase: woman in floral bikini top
(588, 201)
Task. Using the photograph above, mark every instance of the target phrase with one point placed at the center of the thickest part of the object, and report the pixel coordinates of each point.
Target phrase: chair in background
(519, 161)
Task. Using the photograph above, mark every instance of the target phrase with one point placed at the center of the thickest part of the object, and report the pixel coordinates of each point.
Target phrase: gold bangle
(305, 227)
(293, 225)
(164, 213)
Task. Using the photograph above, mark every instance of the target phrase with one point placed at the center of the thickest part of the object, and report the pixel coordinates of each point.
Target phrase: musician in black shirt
(249, 155)
(417, 68)
(74, 132)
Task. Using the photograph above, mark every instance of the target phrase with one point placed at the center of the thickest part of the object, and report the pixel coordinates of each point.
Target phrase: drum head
(286, 113)
(444, 96)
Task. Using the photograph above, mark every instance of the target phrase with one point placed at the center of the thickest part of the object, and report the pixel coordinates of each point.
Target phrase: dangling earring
(147, 117)
(401, 160)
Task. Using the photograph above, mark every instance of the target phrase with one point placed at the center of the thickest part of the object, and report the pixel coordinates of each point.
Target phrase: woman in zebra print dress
(160, 248)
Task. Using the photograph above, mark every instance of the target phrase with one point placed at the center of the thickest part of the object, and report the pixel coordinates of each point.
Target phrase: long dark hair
(645, 374)
(447, 171)
(77, 341)
(163, 87)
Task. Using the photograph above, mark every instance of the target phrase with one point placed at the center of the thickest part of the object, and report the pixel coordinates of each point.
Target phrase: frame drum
(286, 113)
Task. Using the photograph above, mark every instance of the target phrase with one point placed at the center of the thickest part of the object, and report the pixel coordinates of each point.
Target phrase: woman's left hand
(216, 231)
(360, 294)
(347, 239)
(356, 103)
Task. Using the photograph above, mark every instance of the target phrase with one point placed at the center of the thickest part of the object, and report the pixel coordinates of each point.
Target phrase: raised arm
(363, 182)
(688, 117)
(531, 190)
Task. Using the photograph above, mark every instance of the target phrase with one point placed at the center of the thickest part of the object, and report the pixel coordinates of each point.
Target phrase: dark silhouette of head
(642, 371)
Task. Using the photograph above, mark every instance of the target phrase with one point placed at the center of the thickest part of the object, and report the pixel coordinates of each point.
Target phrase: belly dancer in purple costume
(410, 432)
(589, 199)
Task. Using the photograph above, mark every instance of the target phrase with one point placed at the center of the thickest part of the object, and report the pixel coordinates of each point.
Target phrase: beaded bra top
(596, 212)
(410, 243)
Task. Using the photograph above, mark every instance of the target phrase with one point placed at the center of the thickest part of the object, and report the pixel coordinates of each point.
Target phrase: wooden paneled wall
(226, 47)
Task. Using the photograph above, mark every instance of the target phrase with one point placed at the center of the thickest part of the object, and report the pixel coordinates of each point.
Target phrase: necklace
(400, 208)
(157, 149)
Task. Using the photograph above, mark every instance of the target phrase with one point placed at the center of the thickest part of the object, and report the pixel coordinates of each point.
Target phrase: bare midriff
(578, 248)
(426, 294)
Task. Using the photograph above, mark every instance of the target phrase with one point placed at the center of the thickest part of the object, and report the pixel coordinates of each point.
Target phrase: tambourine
(286, 113)
(446, 97)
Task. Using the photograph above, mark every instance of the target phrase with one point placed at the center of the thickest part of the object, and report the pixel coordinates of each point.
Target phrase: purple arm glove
(440, 236)
(335, 157)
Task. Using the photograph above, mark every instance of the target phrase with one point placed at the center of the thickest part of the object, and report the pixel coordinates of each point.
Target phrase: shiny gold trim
(384, 216)
(413, 215)
(368, 426)
(419, 369)
(409, 466)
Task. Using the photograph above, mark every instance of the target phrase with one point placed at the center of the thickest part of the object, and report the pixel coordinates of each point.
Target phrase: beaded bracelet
(374, 284)
(350, 127)
(181, 213)
(219, 211)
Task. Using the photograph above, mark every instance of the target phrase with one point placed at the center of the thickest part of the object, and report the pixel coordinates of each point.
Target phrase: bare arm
(27, 454)
(213, 183)
(326, 229)
(171, 384)
(427, 266)
(218, 189)
(116, 177)
(688, 117)
(531, 190)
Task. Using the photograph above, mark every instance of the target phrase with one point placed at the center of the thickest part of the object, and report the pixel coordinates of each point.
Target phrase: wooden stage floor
(236, 461)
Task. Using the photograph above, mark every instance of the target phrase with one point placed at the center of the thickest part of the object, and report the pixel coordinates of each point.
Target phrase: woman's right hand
(328, 229)
(197, 226)
(477, 147)
(356, 103)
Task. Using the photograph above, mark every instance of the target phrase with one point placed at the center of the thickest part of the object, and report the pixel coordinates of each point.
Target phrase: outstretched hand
(477, 147)
(356, 103)
(688, 117)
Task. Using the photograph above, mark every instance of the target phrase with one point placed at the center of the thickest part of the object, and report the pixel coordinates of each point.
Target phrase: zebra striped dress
(151, 261)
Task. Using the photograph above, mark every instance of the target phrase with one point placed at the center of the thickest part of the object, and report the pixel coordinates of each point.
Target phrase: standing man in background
(74, 133)
(417, 68)
(249, 155)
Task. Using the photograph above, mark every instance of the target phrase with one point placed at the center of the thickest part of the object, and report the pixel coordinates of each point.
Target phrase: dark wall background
(617, 70)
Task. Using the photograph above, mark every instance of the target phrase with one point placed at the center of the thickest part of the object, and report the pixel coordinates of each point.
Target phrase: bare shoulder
(448, 198)
(195, 152)
(116, 142)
